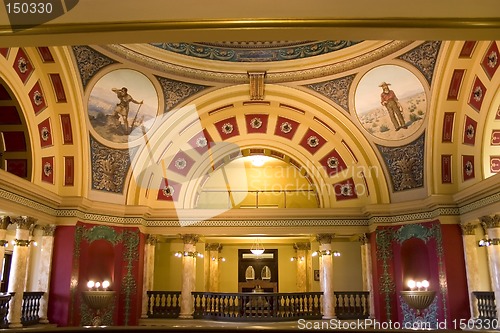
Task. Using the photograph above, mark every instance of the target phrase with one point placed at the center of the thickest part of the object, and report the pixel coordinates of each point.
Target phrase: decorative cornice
(24, 222)
(4, 222)
(190, 238)
(325, 238)
(213, 247)
(468, 229)
(302, 246)
(489, 222)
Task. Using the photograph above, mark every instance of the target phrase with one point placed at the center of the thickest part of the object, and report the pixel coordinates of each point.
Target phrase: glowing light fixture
(257, 248)
(258, 160)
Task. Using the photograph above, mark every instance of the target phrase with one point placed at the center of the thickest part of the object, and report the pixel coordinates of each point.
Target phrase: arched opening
(415, 261)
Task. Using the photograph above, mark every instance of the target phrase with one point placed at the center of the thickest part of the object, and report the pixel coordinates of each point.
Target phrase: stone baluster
(492, 226)
(471, 264)
(301, 250)
(17, 278)
(148, 273)
(366, 271)
(4, 223)
(326, 274)
(188, 276)
(212, 266)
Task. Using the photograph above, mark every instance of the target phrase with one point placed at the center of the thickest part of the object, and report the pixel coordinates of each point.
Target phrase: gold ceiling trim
(394, 23)
(232, 77)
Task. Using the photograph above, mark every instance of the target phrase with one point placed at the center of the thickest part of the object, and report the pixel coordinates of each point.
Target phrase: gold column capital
(49, 230)
(213, 247)
(4, 222)
(363, 239)
(489, 222)
(24, 222)
(468, 229)
(325, 238)
(152, 240)
(302, 246)
(189, 238)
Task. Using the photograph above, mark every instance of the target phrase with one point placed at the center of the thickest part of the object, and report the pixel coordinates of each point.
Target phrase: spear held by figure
(132, 126)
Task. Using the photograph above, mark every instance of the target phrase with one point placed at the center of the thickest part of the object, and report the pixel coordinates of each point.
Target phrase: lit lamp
(418, 297)
(257, 248)
(98, 299)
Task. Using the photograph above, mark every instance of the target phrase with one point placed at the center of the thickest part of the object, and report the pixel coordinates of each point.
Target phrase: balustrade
(4, 309)
(164, 304)
(31, 307)
(352, 304)
(486, 305)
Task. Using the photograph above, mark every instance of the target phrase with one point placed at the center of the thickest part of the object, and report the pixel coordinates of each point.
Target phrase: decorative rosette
(201, 142)
(469, 131)
(168, 191)
(47, 169)
(37, 98)
(22, 64)
(227, 128)
(286, 127)
(313, 141)
(45, 133)
(180, 163)
(256, 123)
(332, 162)
(346, 190)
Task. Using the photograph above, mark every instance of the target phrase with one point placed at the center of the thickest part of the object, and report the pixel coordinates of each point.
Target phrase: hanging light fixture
(257, 248)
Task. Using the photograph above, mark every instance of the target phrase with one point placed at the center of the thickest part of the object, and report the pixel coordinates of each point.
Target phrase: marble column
(45, 267)
(4, 223)
(367, 273)
(301, 250)
(471, 264)
(212, 266)
(492, 225)
(326, 274)
(148, 272)
(17, 278)
(188, 276)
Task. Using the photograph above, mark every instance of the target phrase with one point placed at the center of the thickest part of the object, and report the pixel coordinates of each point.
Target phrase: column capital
(152, 240)
(4, 222)
(468, 229)
(302, 246)
(48, 230)
(363, 239)
(189, 238)
(325, 238)
(213, 247)
(489, 222)
(24, 222)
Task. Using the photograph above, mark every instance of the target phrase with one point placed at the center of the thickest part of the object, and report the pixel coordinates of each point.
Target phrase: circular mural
(390, 102)
(122, 105)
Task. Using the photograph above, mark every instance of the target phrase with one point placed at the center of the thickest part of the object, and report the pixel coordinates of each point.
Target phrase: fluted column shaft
(326, 275)
(43, 277)
(17, 277)
(492, 227)
(148, 273)
(188, 277)
(367, 273)
(471, 264)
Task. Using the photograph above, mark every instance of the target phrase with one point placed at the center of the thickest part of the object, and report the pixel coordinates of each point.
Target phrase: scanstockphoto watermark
(366, 324)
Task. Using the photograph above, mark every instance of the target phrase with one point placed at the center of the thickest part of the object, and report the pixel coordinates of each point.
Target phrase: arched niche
(101, 261)
(414, 261)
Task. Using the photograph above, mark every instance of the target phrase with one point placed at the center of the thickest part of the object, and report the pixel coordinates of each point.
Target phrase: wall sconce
(218, 259)
(97, 285)
(418, 285)
(297, 259)
(22, 242)
(488, 242)
(180, 254)
(326, 253)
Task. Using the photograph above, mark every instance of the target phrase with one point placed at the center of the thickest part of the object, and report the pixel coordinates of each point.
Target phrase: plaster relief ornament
(256, 123)
(45, 133)
(201, 142)
(37, 98)
(227, 128)
(168, 191)
(346, 190)
(492, 59)
(478, 94)
(286, 127)
(47, 169)
(469, 168)
(313, 141)
(469, 132)
(180, 163)
(332, 162)
(22, 64)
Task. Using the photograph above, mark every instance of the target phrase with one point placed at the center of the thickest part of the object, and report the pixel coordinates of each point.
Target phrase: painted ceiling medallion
(168, 191)
(256, 122)
(22, 64)
(332, 162)
(313, 141)
(37, 98)
(469, 168)
(478, 93)
(45, 133)
(286, 127)
(47, 169)
(469, 132)
(180, 163)
(227, 128)
(201, 142)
